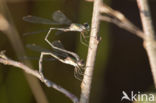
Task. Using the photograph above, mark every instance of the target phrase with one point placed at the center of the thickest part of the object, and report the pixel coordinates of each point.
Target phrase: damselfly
(59, 19)
(63, 57)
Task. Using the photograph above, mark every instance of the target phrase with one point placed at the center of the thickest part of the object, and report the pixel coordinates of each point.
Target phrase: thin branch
(8, 27)
(120, 20)
(150, 37)
(146, 19)
(124, 25)
(92, 50)
(6, 61)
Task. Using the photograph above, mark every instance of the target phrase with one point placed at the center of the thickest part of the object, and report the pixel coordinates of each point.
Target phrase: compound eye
(86, 25)
(81, 63)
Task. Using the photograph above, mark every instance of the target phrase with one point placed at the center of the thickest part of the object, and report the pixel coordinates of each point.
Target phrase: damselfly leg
(57, 48)
(60, 19)
(41, 60)
(63, 57)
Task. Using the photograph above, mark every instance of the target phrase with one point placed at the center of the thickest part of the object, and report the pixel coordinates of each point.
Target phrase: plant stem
(92, 50)
(150, 38)
(48, 83)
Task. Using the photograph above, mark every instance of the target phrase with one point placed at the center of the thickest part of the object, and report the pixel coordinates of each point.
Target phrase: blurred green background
(121, 62)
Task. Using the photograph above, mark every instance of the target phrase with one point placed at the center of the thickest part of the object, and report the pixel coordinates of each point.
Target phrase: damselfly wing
(59, 19)
(38, 48)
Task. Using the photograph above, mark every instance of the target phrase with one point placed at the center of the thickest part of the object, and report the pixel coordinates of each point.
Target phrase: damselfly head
(81, 63)
(86, 25)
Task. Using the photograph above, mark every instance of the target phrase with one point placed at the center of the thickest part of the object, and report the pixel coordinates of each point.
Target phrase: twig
(92, 50)
(119, 19)
(48, 83)
(146, 19)
(150, 37)
(9, 29)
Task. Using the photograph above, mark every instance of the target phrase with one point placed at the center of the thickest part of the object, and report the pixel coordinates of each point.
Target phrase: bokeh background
(121, 63)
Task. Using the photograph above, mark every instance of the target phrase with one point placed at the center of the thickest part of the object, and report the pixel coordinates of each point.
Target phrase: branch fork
(5, 60)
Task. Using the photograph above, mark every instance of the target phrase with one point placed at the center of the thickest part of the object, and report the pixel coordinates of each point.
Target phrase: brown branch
(148, 33)
(92, 50)
(150, 37)
(8, 27)
(120, 20)
(146, 19)
(124, 25)
(6, 61)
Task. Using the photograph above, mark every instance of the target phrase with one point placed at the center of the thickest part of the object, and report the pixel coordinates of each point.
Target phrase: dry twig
(150, 37)
(92, 50)
(120, 20)
(9, 29)
(5, 60)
